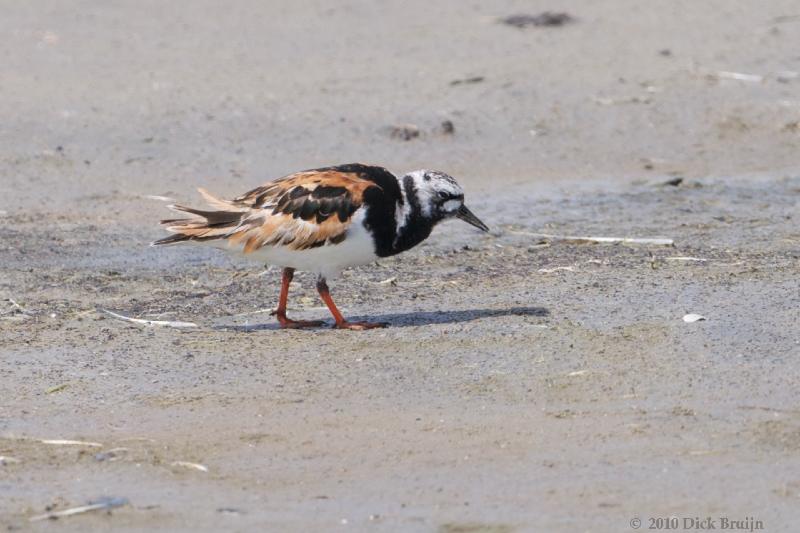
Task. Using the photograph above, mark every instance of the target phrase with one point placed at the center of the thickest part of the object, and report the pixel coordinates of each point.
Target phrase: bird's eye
(443, 195)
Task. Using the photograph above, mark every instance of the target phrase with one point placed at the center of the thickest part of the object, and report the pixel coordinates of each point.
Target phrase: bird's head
(440, 197)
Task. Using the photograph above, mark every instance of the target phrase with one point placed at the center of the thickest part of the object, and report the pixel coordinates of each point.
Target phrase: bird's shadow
(417, 318)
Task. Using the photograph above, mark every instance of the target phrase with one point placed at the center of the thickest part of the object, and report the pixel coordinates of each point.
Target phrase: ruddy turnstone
(325, 220)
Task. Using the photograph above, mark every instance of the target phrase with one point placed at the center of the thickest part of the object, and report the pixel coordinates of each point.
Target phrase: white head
(440, 197)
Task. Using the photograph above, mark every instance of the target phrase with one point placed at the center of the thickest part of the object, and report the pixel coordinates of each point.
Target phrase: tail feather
(171, 239)
(218, 203)
(206, 225)
(212, 218)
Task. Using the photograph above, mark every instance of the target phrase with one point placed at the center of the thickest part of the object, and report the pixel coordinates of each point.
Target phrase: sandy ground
(527, 383)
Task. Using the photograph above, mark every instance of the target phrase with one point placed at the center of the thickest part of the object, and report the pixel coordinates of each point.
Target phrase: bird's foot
(300, 324)
(359, 326)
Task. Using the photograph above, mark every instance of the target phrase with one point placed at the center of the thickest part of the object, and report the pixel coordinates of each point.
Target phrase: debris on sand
(739, 76)
(601, 100)
(674, 182)
(464, 81)
(110, 455)
(167, 323)
(14, 311)
(447, 127)
(57, 388)
(230, 510)
(98, 505)
(404, 132)
(556, 269)
(545, 19)
(270, 311)
(187, 464)
(6, 460)
(657, 241)
(67, 442)
(408, 132)
(792, 127)
(571, 239)
(693, 317)
(539, 245)
(159, 198)
(686, 259)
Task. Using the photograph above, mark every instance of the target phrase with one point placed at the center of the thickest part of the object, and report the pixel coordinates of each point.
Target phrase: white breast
(328, 260)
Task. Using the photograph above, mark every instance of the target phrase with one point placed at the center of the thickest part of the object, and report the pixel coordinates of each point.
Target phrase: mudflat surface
(525, 383)
(528, 381)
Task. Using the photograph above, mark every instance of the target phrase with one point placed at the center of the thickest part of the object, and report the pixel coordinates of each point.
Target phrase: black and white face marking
(428, 197)
(438, 194)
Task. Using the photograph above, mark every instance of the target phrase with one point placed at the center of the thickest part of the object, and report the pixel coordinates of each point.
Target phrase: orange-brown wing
(300, 211)
(322, 183)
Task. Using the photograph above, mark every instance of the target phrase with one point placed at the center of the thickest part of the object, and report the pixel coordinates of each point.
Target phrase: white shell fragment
(67, 442)
(99, 505)
(740, 76)
(556, 269)
(187, 464)
(574, 239)
(168, 323)
(693, 317)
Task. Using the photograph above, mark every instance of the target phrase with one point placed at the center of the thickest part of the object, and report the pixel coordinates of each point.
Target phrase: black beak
(466, 215)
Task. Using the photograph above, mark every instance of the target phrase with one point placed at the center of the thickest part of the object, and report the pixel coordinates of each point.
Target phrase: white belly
(328, 261)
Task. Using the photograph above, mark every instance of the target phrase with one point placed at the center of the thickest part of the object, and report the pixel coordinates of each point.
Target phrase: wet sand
(527, 382)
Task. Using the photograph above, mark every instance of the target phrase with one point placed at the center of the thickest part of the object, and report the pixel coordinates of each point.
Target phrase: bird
(323, 221)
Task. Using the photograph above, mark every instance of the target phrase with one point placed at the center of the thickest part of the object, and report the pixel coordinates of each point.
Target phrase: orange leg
(341, 323)
(280, 312)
